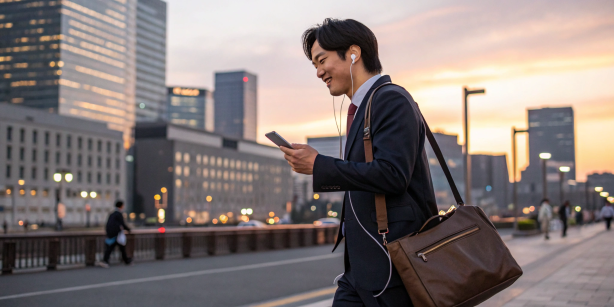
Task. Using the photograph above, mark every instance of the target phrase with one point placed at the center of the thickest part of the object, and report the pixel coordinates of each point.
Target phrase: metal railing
(50, 251)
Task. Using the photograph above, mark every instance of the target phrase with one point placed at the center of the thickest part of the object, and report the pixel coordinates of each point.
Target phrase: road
(296, 277)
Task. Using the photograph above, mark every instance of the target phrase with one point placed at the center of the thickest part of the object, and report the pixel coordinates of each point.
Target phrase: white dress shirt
(363, 89)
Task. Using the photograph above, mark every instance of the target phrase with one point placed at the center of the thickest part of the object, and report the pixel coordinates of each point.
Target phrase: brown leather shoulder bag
(456, 259)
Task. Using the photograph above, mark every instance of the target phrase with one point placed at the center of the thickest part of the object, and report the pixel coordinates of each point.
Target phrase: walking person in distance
(544, 217)
(114, 229)
(607, 213)
(345, 56)
(564, 214)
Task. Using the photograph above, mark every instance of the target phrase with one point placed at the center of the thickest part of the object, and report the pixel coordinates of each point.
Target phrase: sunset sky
(526, 54)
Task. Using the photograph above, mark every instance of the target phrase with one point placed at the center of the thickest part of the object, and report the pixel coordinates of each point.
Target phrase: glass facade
(150, 60)
(236, 104)
(191, 107)
(71, 57)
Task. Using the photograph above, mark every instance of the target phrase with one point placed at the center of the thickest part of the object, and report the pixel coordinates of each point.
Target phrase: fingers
(299, 146)
(286, 150)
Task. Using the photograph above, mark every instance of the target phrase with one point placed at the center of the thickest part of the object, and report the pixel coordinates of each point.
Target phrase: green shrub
(527, 224)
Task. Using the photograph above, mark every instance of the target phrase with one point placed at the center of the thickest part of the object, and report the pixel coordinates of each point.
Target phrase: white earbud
(353, 56)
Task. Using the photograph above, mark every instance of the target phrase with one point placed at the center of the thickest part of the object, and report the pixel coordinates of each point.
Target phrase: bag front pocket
(434, 247)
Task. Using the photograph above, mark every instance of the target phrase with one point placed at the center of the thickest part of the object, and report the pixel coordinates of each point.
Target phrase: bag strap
(380, 199)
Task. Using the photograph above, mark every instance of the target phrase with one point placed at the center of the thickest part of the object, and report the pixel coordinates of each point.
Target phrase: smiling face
(334, 71)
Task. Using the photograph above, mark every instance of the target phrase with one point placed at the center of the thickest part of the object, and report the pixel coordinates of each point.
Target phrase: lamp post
(544, 156)
(88, 208)
(562, 171)
(515, 200)
(60, 177)
(21, 183)
(467, 164)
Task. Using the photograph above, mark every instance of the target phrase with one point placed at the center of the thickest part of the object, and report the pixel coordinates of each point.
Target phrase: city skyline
(523, 57)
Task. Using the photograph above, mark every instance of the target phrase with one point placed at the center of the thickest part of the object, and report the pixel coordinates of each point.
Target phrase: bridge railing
(53, 250)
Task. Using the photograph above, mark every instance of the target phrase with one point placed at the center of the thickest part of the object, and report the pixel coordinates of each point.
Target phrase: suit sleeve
(396, 127)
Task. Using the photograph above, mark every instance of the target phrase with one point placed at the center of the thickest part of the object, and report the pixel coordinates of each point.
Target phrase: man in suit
(399, 169)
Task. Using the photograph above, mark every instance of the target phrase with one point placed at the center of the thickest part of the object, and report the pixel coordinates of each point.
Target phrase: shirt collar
(363, 89)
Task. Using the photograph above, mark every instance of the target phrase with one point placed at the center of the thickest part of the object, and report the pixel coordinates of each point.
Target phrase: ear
(354, 49)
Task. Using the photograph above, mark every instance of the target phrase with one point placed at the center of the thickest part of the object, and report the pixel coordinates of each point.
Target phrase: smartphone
(277, 139)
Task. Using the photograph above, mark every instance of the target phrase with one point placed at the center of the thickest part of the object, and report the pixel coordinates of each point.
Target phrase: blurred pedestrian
(607, 213)
(115, 235)
(564, 214)
(25, 225)
(5, 227)
(544, 217)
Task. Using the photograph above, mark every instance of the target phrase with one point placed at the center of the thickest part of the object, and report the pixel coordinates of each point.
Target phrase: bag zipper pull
(423, 256)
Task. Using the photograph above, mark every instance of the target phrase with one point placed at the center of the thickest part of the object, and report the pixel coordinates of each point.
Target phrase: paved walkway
(586, 277)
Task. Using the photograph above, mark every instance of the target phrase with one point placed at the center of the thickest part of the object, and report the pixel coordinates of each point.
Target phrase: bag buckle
(383, 233)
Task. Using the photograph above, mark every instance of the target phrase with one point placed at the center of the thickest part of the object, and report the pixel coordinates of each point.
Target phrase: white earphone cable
(352, 206)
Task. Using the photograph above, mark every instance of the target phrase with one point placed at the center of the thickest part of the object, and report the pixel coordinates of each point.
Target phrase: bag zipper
(450, 239)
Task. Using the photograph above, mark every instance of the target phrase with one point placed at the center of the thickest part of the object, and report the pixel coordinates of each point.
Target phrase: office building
(35, 144)
(236, 104)
(196, 176)
(551, 130)
(453, 153)
(490, 182)
(71, 57)
(191, 107)
(150, 60)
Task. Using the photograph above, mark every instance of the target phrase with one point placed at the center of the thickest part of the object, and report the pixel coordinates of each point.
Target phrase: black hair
(338, 35)
(119, 204)
(545, 199)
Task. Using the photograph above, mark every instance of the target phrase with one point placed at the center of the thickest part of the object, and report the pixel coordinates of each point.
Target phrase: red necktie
(351, 111)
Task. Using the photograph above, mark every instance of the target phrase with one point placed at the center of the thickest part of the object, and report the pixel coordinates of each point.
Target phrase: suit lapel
(359, 117)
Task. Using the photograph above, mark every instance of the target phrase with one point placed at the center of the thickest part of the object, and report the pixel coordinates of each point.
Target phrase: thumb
(299, 146)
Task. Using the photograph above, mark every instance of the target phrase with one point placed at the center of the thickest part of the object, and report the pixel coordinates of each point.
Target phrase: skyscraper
(191, 107)
(453, 153)
(551, 130)
(150, 60)
(71, 57)
(236, 104)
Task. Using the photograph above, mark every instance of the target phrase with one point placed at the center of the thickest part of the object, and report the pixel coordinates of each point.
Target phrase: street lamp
(60, 177)
(562, 171)
(544, 156)
(598, 189)
(515, 200)
(88, 208)
(467, 163)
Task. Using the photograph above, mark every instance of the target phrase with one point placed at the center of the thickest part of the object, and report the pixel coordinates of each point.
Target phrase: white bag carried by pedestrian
(121, 238)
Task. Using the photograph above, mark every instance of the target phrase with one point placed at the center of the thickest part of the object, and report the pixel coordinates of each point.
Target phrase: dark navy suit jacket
(399, 170)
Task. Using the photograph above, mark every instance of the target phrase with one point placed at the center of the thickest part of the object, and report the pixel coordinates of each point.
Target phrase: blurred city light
(578, 208)
(161, 230)
(57, 177)
(84, 194)
(317, 223)
(21, 182)
(163, 190)
(441, 212)
(157, 197)
(189, 220)
(161, 215)
(214, 221)
(271, 214)
(68, 177)
(243, 211)
(250, 211)
(545, 155)
(564, 169)
(209, 198)
(20, 223)
(316, 196)
(532, 208)
(604, 194)
(93, 194)
(598, 189)
(526, 210)
(276, 219)
(313, 208)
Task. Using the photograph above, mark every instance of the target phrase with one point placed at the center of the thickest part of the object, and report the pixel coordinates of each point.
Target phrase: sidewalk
(586, 277)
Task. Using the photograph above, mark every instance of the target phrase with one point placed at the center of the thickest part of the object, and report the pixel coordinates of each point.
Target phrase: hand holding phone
(278, 140)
